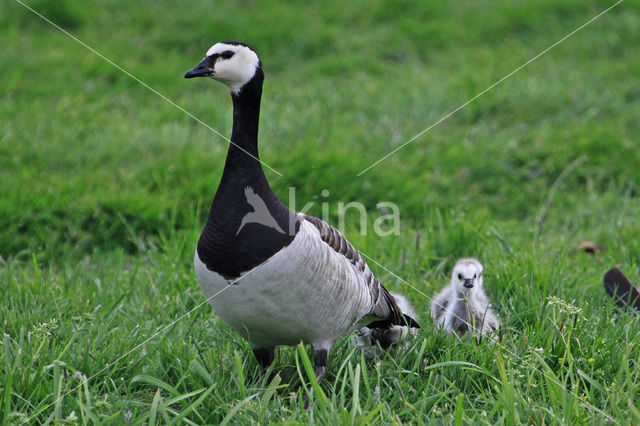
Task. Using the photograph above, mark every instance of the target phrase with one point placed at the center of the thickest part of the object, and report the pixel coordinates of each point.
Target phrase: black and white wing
(385, 312)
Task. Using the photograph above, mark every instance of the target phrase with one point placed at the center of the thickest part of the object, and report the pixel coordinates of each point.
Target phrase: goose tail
(407, 314)
(387, 333)
(399, 311)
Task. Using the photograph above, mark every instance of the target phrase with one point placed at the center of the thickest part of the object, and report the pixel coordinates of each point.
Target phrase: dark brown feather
(620, 288)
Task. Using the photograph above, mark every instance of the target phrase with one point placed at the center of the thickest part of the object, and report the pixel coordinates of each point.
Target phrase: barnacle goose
(298, 279)
(463, 306)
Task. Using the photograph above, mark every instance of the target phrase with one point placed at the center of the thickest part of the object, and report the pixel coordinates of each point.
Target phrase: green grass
(104, 188)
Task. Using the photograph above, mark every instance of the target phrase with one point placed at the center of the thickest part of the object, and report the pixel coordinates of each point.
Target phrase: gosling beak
(201, 70)
(468, 283)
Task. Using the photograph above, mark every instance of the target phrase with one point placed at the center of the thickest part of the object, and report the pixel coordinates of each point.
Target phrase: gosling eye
(459, 276)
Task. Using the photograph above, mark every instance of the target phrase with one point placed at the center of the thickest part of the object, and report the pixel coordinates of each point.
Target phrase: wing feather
(385, 311)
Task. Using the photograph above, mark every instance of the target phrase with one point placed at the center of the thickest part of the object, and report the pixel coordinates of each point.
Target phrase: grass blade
(508, 393)
(193, 405)
(317, 390)
(202, 371)
(182, 397)
(271, 389)
(235, 409)
(57, 390)
(634, 410)
(355, 385)
(6, 400)
(459, 410)
(154, 408)
(86, 411)
(369, 417)
(239, 374)
(143, 378)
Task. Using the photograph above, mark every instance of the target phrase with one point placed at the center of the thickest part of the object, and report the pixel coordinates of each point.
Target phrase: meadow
(105, 186)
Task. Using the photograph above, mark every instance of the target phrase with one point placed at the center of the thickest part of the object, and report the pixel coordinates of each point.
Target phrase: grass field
(104, 188)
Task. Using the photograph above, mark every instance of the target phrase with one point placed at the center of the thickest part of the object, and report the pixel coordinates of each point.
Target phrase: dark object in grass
(589, 247)
(620, 288)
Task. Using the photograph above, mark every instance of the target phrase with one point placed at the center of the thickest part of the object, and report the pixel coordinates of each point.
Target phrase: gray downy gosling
(463, 306)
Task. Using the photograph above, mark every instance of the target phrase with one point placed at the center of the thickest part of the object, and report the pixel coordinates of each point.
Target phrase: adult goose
(276, 276)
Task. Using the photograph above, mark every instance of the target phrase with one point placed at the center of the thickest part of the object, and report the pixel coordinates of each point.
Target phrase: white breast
(305, 292)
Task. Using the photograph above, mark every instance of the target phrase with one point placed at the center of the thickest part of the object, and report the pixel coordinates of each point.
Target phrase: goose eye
(227, 54)
(459, 276)
(474, 276)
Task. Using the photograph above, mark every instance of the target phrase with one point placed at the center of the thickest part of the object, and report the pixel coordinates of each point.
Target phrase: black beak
(201, 70)
(468, 283)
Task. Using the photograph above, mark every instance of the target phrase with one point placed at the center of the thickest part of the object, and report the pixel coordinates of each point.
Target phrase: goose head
(467, 275)
(230, 62)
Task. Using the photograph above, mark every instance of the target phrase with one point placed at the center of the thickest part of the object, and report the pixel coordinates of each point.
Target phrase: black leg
(264, 356)
(320, 359)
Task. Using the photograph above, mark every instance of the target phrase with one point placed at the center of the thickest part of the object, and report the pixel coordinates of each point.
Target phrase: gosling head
(467, 275)
(230, 62)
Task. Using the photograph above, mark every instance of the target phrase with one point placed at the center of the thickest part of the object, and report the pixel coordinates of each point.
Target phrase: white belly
(306, 292)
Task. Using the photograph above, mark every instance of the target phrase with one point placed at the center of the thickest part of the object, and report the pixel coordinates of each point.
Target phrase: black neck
(243, 151)
(222, 247)
(242, 167)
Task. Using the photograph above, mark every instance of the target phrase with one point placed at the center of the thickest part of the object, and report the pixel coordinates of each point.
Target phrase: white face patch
(466, 269)
(235, 64)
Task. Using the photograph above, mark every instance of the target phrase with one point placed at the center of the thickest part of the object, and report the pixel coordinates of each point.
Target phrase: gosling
(463, 306)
